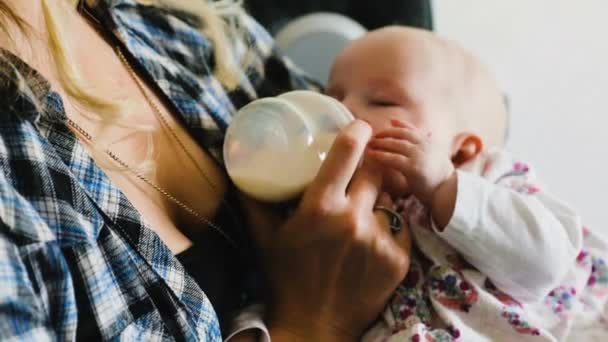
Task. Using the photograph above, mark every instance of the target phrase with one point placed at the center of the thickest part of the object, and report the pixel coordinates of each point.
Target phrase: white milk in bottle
(274, 147)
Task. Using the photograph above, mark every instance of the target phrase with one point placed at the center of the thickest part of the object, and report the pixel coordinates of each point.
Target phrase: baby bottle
(274, 146)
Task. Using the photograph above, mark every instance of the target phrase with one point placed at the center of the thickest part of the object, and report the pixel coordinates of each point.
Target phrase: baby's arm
(523, 239)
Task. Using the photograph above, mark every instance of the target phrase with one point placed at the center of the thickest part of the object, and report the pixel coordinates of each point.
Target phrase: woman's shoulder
(280, 74)
(23, 90)
(175, 37)
(39, 196)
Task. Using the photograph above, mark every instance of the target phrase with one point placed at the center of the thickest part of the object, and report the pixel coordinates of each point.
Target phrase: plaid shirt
(76, 259)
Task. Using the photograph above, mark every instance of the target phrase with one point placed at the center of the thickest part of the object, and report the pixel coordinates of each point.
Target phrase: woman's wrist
(282, 332)
(295, 328)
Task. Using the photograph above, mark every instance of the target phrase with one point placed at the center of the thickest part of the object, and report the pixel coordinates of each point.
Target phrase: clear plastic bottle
(274, 147)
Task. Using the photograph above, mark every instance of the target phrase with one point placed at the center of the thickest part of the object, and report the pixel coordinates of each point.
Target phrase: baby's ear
(465, 147)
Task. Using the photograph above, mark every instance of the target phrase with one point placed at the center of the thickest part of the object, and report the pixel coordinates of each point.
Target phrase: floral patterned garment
(452, 291)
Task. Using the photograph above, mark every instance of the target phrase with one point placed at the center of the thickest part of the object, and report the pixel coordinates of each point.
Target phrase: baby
(496, 258)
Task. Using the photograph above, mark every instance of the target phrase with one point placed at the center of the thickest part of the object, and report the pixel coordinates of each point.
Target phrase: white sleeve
(522, 238)
(250, 319)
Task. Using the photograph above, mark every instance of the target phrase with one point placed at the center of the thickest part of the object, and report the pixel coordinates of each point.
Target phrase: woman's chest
(171, 181)
(176, 187)
(166, 175)
(184, 181)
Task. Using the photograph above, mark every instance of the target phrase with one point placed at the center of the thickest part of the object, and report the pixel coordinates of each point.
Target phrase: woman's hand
(334, 264)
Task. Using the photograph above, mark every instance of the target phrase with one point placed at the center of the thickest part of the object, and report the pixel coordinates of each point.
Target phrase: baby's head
(427, 81)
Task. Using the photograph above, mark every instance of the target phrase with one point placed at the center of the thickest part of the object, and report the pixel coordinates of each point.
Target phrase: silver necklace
(165, 124)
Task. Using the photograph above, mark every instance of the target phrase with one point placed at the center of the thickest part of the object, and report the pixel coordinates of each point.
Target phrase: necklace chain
(165, 124)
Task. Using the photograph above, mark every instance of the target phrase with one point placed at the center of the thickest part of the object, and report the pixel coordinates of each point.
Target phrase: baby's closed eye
(384, 103)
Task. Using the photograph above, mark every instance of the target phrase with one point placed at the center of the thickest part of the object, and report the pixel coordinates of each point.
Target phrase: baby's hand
(413, 153)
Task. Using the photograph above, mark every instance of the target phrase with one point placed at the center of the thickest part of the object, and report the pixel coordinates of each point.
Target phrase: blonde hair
(220, 20)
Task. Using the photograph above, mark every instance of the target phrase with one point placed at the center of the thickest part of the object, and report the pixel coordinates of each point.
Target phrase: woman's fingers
(397, 245)
(262, 219)
(383, 200)
(365, 186)
(342, 160)
(399, 146)
(403, 238)
(399, 253)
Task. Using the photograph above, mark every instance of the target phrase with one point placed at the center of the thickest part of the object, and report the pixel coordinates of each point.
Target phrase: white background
(551, 58)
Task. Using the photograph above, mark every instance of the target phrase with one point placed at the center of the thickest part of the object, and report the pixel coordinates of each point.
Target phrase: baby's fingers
(389, 159)
(403, 124)
(403, 133)
(399, 146)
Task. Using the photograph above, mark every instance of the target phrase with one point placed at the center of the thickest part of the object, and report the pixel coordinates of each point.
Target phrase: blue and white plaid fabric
(76, 259)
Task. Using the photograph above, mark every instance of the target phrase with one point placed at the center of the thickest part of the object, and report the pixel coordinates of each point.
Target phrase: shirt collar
(98, 12)
(13, 96)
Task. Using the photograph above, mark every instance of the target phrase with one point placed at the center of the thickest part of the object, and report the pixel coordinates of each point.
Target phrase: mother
(117, 219)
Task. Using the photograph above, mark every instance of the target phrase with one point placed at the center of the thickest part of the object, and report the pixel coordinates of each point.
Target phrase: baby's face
(380, 77)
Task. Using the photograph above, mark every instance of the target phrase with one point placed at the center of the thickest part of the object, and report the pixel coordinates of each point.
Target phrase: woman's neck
(30, 11)
(32, 43)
